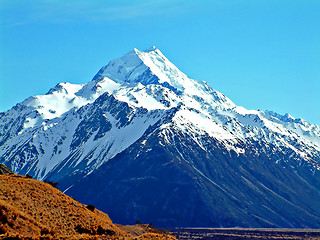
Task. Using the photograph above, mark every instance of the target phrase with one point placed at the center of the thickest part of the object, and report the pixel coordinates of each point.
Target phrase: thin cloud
(89, 11)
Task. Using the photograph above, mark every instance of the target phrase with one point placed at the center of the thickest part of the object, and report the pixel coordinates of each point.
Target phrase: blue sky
(262, 54)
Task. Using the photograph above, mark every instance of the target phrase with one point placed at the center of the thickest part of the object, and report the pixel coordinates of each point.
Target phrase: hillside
(32, 209)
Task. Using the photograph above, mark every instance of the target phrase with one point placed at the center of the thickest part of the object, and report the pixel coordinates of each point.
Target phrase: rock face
(5, 170)
(142, 141)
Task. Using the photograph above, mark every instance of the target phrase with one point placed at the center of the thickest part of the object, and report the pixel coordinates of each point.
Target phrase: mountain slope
(179, 184)
(190, 136)
(33, 209)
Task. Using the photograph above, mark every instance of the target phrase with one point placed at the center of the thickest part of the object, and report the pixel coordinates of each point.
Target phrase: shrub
(101, 231)
(91, 207)
(53, 184)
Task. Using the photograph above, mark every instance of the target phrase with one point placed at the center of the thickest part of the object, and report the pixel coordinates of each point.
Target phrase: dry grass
(146, 231)
(30, 209)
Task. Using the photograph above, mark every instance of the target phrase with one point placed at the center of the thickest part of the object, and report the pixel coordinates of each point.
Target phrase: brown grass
(31, 209)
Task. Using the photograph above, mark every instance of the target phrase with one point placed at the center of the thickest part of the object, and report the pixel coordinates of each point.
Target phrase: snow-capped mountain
(142, 123)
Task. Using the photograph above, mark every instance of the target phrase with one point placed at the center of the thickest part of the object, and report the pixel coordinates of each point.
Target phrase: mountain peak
(148, 50)
(147, 67)
(153, 48)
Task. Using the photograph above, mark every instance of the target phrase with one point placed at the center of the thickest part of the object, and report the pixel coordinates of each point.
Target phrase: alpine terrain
(142, 141)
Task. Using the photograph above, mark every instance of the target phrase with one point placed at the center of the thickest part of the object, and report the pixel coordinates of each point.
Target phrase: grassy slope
(31, 209)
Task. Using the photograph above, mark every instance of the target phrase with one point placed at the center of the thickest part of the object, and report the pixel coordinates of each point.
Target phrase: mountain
(142, 141)
(31, 209)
